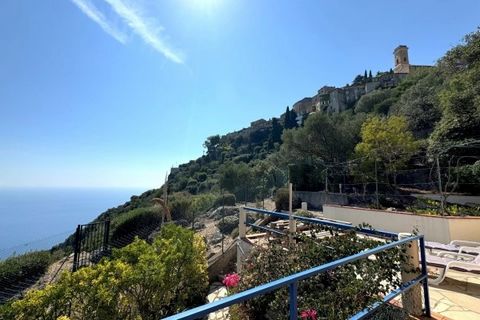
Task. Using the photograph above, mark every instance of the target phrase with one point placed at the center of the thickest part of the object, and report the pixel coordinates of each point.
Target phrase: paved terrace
(457, 297)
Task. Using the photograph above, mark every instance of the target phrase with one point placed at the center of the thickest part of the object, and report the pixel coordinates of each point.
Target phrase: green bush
(282, 200)
(138, 222)
(227, 199)
(304, 213)
(203, 202)
(180, 206)
(344, 290)
(141, 281)
(433, 207)
(228, 224)
(25, 268)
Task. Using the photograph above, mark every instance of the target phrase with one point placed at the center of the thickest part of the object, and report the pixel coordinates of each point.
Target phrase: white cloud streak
(93, 13)
(146, 28)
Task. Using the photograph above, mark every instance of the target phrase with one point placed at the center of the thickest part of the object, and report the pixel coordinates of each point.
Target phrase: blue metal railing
(327, 223)
(292, 280)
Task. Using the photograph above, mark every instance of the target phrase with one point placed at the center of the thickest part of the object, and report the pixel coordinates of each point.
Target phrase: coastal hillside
(438, 105)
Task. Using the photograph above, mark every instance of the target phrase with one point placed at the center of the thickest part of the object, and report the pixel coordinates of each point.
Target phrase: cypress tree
(286, 121)
(293, 119)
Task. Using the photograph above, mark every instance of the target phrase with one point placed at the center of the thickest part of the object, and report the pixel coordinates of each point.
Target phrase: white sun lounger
(458, 246)
(453, 261)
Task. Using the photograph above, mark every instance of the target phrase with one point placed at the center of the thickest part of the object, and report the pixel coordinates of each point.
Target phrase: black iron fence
(91, 243)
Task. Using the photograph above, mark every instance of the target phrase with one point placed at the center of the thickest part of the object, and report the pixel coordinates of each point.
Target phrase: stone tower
(402, 65)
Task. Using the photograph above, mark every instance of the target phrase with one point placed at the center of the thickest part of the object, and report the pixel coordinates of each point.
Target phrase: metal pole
(223, 216)
(107, 234)
(326, 185)
(426, 295)
(76, 249)
(165, 196)
(376, 185)
(291, 222)
(442, 205)
(292, 289)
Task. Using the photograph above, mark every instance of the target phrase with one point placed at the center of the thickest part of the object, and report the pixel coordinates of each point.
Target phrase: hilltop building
(332, 100)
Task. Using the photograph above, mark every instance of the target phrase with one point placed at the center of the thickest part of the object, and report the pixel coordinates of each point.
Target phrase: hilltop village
(333, 100)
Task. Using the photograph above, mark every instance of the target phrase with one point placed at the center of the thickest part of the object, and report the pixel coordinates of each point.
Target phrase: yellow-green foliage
(387, 140)
(140, 281)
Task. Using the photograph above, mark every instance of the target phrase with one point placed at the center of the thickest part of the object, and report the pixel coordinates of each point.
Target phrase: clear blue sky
(114, 92)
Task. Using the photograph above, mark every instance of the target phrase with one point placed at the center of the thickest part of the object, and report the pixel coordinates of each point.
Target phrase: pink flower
(309, 314)
(231, 280)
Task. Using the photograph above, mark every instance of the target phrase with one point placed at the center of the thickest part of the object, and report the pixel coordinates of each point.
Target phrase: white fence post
(412, 299)
(242, 227)
(292, 226)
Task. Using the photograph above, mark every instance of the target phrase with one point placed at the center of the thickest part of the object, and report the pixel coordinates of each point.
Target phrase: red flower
(310, 314)
(231, 280)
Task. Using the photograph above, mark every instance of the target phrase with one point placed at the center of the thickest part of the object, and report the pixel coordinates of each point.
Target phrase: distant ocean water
(38, 218)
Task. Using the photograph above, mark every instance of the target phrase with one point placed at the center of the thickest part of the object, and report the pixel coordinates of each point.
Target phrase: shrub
(203, 202)
(344, 290)
(180, 205)
(282, 200)
(227, 199)
(304, 213)
(141, 281)
(138, 222)
(228, 224)
(17, 271)
(201, 176)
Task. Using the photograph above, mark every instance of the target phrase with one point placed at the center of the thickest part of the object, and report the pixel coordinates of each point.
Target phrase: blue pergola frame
(292, 281)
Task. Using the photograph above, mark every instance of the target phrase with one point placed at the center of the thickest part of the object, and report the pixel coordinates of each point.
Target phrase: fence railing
(292, 281)
(91, 243)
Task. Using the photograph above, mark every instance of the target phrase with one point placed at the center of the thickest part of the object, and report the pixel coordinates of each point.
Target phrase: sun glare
(205, 6)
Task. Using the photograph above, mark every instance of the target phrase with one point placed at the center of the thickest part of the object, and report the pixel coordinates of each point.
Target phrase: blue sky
(112, 93)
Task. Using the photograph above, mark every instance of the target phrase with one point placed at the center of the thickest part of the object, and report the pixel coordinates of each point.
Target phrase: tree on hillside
(211, 144)
(388, 141)
(293, 119)
(357, 80)
(237, 178)
(365, 77)
(327, 138)
(290, 120)
(370, 75)
(459, 99)
(286, 119)
(378, 101)
(275, 134)
(420, 104)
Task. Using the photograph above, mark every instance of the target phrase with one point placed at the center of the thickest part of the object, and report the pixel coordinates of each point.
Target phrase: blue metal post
(292, 289)
(426, 295)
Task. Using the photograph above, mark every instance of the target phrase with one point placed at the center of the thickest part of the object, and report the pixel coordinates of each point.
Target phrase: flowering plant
(231, 280)
(310, 314)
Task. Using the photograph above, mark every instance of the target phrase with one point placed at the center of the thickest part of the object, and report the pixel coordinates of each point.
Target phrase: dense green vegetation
(140, 281)
(20, 272)
(437, 108)
(344, 291)
(432, 113)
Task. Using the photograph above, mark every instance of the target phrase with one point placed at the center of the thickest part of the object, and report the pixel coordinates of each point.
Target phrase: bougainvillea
(231, 280)
(335, 294)
(310, 314)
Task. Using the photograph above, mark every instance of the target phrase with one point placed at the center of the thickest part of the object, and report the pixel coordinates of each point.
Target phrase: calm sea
(32, 218)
